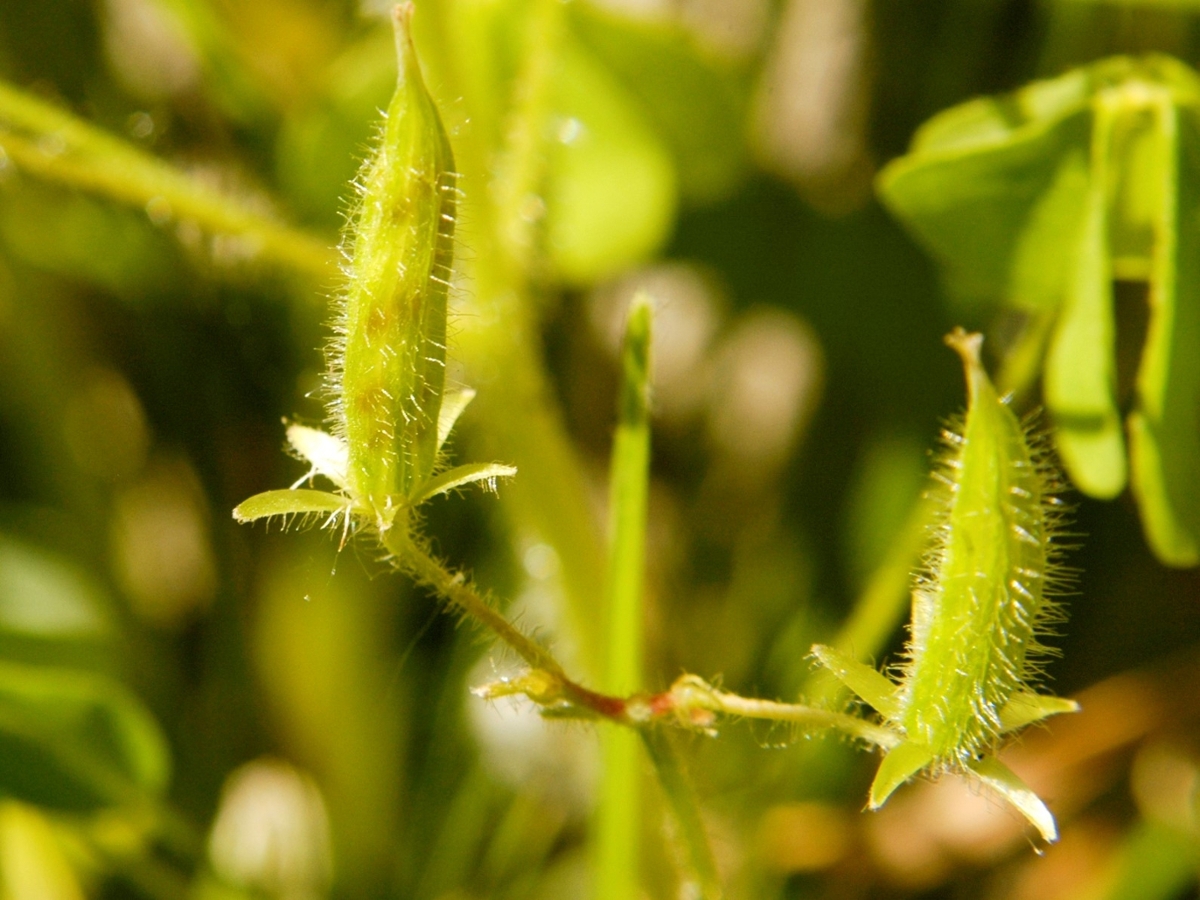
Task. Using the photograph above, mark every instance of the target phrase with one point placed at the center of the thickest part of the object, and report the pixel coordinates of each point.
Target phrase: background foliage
(175, 689)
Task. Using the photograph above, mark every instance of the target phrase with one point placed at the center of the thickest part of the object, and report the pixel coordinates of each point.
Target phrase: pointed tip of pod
(402, 14)
(968, 345)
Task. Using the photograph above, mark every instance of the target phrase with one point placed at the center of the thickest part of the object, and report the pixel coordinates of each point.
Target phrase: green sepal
(901, 763)
(325, 453)
(453, 404)
(471, 473)
(1025, 708)
(294, 502)
(1001, 779)
(871, 686)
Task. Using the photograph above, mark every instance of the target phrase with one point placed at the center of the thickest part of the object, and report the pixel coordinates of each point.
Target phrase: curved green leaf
(1041, 200)
(901, 763)
(453, 404)
(1165, 426)
(987, 189)
(1025, 708)
(1080, 374)
(871, 686)
(76, 740)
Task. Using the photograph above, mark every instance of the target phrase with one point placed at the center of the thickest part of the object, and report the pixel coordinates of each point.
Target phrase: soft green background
(149, 647)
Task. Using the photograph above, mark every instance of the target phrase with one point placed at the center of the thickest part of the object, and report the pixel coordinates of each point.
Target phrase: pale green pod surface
(983, 597)
(388, 365)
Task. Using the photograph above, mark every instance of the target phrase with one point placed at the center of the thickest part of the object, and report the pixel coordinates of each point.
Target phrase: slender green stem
(702, 868)
(51, 144)
(460, 594)
(690, 701)
(691, 695)
(629, 489)
(617, 816)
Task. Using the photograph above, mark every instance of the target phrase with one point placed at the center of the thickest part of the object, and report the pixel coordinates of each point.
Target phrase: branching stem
(690, 702)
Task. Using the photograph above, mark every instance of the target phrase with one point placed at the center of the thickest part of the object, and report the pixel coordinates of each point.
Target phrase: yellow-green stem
(685, 811)
(521, 167)
(692, 694)
(55, 146)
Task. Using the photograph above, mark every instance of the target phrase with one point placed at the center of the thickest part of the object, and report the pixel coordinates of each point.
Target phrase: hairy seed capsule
(388, 362)
(979, 607)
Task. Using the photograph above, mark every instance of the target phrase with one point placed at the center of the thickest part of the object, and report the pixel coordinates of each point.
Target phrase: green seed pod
(985, 594)
(387, 364)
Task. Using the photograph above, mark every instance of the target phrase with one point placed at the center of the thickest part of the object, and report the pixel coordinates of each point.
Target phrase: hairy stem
(689, 702)
(691, 695)
(461, 595)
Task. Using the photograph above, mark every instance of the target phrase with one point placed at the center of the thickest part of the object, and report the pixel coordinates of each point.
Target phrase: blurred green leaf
(321, 146)
(1041, 200)
(985, 187)
(33, 865)
(1164, 428)
(890, 477)
(75, 740)
(44, 596)
(611, 194)
(54, 145)
(1080, 372)
(1157, 862)
(697, 108)
(77, 236)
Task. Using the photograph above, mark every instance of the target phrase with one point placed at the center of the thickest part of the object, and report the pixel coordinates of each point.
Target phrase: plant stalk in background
(617, 816)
